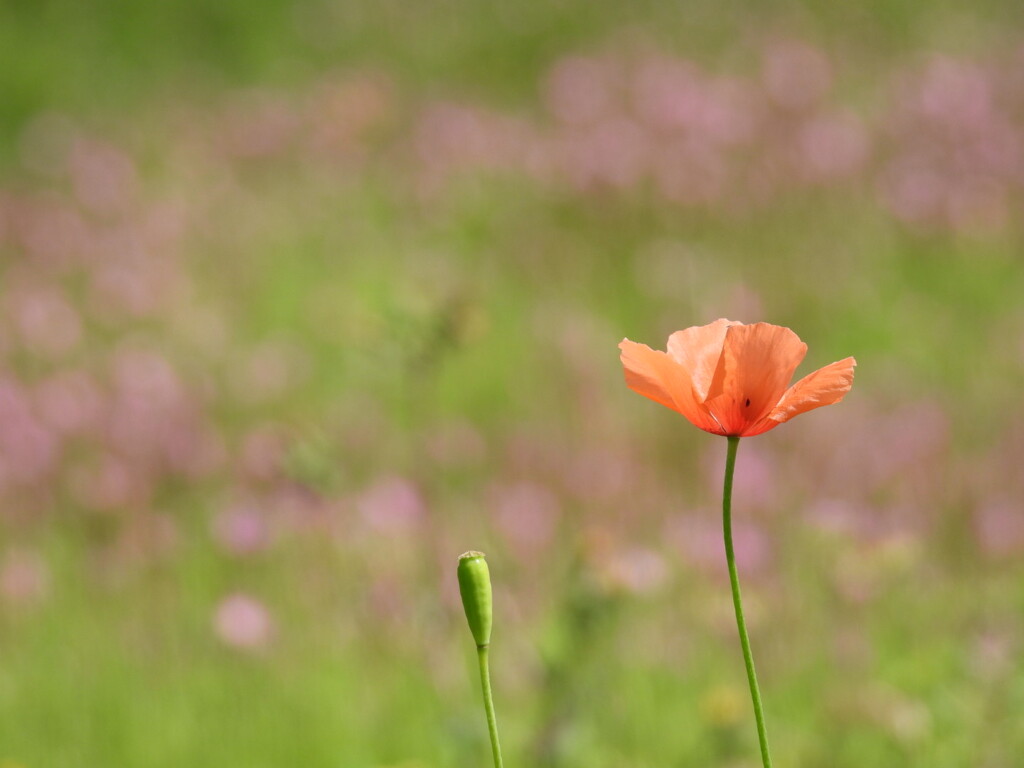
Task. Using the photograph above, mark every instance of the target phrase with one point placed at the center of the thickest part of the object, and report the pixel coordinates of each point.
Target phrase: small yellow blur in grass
(723, 706)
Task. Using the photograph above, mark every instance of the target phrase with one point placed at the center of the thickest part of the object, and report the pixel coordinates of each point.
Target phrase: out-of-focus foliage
(300, 301)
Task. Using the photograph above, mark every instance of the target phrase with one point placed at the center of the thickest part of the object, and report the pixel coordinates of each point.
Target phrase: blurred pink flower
(24, 577)
(388, 597)
(699, 539)
(456, 444)
(912, 190)
(453, 135)
(978, 204)
(342, 113)
(689, 172)
(635, 570)
(674, 98)
(154, 418)
(103, 177)
(110, 483)
(796, 74)
(579, 90)
(954, 92)
(527, 514)
(732, 112)
(257, 123)
(833, 146)
(262, 452)
(243, 622)
(957, 151)
(49, 325)
(907, 438)
(133, 284)
(391, 505)
(241, 529)
(6, 216)
(28, 450)
(52, 233)
(999, 526)
(993, 655)
(754, 483)
(841, 517)
(612, 153)
(268, 371)
(668, 94)
(196, 449)
(599, 474)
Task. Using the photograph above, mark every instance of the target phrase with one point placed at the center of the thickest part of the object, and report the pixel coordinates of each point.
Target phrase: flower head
(733, 379)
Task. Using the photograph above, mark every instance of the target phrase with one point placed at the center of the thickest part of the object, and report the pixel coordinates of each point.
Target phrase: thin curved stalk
(741, 624)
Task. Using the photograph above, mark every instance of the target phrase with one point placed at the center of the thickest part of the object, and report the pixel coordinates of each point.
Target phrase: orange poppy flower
(732, 379)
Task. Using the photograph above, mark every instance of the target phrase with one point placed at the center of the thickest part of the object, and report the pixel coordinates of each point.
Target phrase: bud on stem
(475, 588)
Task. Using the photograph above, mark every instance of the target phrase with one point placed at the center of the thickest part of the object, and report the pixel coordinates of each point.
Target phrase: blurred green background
(298, 301)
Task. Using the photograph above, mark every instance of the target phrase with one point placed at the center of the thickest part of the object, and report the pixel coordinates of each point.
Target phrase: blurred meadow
(298, 301)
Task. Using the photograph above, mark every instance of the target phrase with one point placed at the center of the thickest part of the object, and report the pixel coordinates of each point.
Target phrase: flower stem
(485, 682)
(741, 624)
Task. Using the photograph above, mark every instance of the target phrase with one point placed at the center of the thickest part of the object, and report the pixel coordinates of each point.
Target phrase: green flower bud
(475, 587)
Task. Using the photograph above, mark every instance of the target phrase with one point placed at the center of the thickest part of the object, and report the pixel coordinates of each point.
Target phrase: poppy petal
(664, 380)
(698, 349)
(756, 365)
(825, 386)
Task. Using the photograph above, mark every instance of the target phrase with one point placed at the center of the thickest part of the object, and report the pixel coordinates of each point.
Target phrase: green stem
(741, 624)
(492, 722)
